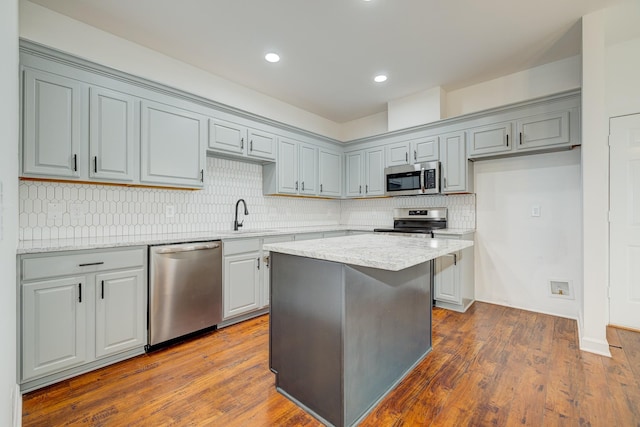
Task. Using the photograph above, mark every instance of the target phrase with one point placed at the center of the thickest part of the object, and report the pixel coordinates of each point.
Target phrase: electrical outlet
(170, 211)
(535, 210)
(55, 211)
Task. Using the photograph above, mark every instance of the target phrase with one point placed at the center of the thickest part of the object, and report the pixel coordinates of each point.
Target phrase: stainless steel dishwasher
(185, 289)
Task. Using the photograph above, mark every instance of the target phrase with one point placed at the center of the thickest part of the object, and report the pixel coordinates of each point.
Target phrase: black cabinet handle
(258, 263)
(102, 291)
(296, 185)
(406, 157)
(201, 175)
(366, 189)
(91, 263)
(302, 185)
(75, 163)
(507, 140)
(360, 189)
(520, 138)
(321, 188)
(79, 292)
(242, 143)
(251, 145)
(95, 164)
(415, 155)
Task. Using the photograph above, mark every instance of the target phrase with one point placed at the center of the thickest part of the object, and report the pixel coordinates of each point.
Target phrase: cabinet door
(330, 173)
(241, 284)
(425, 149)
(454, 163)
(173, 146)
(288, 166)
(374, 172)
(227, 137)
(543, 130)
(308, 170)
(262, 145)
(54, 318)
(113, 141)
(354, 162)
(446, 279)
(52, 125)
(398, 154)
(490, 139)
(120, 311)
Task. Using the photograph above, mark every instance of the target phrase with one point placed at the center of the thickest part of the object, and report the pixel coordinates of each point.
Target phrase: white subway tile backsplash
(98, 210)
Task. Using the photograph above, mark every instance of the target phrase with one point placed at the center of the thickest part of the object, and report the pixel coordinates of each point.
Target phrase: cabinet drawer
(230, 247)
(277, 239)
(79, 263)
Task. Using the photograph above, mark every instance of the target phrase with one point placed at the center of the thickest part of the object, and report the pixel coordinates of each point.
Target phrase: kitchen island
(350, 317)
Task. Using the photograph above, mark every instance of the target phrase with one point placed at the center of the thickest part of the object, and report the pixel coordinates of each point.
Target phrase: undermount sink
(258, 231)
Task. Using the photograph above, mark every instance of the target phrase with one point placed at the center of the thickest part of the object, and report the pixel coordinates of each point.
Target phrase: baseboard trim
(591, 345)
(17, 406)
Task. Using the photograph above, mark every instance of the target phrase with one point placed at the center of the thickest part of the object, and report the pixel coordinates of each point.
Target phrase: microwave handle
(422, 180)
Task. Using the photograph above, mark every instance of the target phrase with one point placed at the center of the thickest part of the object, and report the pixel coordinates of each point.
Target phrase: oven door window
(405, 181)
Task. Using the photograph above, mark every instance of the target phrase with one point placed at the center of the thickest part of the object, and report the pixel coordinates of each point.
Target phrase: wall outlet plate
(535, 210)
(55, 210)
(170, 211)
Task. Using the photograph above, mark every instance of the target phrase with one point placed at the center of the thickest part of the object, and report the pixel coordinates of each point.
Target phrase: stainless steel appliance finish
(185, 289)
(417, 220)
(411, 180)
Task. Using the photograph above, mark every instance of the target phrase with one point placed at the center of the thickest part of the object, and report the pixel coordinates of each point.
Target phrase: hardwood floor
(490, 366)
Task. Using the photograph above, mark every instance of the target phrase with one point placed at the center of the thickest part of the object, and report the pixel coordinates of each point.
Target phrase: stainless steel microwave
(411, 180)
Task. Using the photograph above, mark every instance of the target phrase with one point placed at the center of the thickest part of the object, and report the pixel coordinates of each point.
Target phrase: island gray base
(341, 336)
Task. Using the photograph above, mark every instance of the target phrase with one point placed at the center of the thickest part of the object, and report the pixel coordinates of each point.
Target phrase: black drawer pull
(91, 263)
(79, 292)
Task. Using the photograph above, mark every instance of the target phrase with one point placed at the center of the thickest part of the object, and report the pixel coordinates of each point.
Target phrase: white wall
(516, 254)
(44, 26)
(416, 109)
(535, 82)
(8, 210)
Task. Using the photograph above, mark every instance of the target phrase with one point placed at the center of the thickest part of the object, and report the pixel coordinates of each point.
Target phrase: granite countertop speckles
(383, 251)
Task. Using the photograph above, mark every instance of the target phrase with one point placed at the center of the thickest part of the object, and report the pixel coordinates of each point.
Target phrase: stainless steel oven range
(417, 221)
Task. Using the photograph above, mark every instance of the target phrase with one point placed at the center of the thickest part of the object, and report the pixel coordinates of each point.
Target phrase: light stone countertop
(85, 243)
(455, 231)
(382, 251)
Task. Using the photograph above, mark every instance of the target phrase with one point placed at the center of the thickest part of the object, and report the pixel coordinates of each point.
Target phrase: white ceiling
(332, 49)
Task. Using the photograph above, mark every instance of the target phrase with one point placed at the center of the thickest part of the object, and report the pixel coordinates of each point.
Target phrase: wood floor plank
(493, 365)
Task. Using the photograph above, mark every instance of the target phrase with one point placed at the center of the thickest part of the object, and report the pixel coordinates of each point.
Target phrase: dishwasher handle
(187, 248)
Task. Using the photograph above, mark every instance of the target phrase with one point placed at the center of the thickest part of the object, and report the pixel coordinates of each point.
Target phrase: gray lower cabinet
(172, 146)
(456, 172)
(79, 310)
(266, 270)
(54, 121)
(241, 277)
(453, 281)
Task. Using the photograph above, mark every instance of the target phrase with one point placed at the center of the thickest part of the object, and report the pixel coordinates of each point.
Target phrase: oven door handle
(422, 190)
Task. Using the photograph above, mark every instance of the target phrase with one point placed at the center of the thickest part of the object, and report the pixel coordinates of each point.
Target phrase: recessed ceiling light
(272, 57)
(380, 78)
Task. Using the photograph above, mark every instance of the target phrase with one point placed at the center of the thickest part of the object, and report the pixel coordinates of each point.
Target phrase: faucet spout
(237, 224)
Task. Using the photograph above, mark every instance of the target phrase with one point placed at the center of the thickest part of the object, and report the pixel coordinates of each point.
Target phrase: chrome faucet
(237, 224)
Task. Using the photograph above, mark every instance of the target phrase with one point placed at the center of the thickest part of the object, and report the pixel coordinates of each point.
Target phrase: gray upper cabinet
(53, 116)
(365, 172)
(262, 145)
(543, 130)
(490, 139)
(330, 173)
(236, 140)
(423, 149)
(456, 173)
(114, 142)
(227, 137)
(173, 146)
(295, 171)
